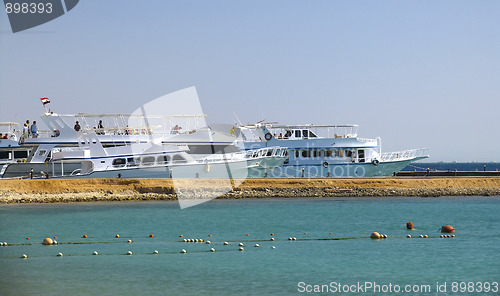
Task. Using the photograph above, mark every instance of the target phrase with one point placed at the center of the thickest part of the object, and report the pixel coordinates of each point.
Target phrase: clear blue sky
(416, 73)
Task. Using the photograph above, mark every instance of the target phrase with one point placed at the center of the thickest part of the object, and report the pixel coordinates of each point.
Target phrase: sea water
(452, 166)
(352, 265)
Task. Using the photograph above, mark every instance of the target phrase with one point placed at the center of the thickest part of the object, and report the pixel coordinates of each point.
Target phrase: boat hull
(340, 170)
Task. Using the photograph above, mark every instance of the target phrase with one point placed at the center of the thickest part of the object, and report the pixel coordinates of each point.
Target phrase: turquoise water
(291, 267)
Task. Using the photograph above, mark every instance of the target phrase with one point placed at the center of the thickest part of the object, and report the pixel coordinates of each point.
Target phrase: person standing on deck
(34, 130)
(26, 129)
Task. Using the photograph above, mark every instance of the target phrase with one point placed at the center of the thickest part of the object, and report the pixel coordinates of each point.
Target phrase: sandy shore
(81, 190)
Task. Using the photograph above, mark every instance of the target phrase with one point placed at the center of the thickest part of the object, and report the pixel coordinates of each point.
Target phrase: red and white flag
(45, 100)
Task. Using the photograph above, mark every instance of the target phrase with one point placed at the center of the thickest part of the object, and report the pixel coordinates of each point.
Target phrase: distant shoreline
(90, 190)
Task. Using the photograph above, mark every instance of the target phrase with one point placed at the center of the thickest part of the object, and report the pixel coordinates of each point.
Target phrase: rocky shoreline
(93, 190)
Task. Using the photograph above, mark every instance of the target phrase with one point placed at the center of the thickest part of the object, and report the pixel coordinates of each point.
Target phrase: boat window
(361, 155)
(306, 153)
(338, 152)
(49, 156)
(119, 162)
(42, 152)
(297, 134)
(20, 154)
(305, 133)
(131, 162)
(288, 134)
(5, 155)
(148, 160)
(312, 135)
(178, 159)
(315, 153)
(296, 153)
(328, 153)
(269, 152)
(164, 159)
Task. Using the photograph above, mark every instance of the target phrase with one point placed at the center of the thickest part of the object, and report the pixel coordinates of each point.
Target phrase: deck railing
(403, 155)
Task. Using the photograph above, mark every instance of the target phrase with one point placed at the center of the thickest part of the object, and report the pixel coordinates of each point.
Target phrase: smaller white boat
(328, 151)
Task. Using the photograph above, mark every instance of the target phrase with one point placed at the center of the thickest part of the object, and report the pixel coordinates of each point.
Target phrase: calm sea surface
(292, 267)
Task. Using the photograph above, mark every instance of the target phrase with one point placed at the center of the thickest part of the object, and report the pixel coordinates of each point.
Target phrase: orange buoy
(47, 241)
(248, 234)
(117, 236)
(375, 235)
(151, 235)
(272, 233)
(305, 233)
(55, 236)
(181, 235)
(28, 237)
(447, 229)
(84, 236)
(209, 235)
(331, 233)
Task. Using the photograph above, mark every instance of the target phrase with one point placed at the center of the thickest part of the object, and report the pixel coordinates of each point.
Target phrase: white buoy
(240, 244)
(129, 241)
(294, 238)
(185, 240)
(129, 253)
(95, 253)
(54, 241)
(5, 244)
(60, 254)
(290, 238)
(24, 256)
(272, 239)
(183, 251)
(208, 242)
(408, 236)
(273, 247)
(201, 240)
(241, 249)
(421, 236)
(196, 240)
(257, 245)
(212, 250)
(1, 244)
(226, 243)
(155, 252)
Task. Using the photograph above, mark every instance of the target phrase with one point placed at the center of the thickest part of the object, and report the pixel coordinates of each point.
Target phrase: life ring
(268, 136)
(375, 162)
(325, 164)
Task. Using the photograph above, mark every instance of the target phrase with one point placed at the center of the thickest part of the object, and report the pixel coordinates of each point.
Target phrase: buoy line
(129, 253)
(227, 242)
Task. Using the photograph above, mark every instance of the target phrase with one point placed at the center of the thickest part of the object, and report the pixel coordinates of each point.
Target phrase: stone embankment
(87, 190)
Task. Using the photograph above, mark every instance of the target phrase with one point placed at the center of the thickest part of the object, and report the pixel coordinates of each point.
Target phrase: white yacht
(328, 151)
(150, 160)
(131, 146)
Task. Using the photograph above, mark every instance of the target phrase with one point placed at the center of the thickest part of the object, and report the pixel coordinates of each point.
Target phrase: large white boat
(130, 146)
(150, 160)
(328, 151)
